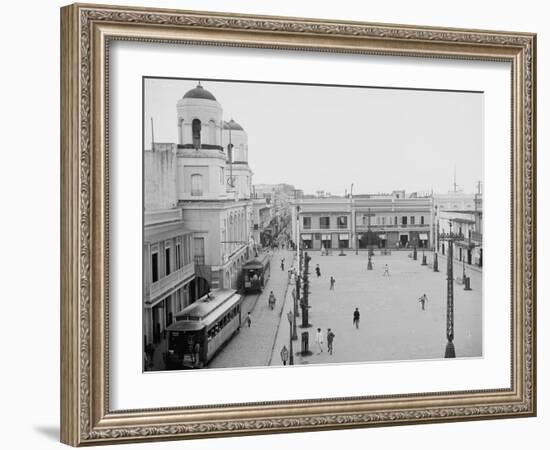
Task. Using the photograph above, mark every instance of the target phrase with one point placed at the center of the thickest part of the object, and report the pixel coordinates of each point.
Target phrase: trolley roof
(205, 311)
(256, 263)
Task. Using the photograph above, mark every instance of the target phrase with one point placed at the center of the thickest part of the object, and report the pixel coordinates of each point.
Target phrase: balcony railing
(169, 281)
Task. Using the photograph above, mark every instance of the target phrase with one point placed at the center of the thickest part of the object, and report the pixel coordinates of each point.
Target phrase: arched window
(212, 132)
(196, 127)
(196, 184)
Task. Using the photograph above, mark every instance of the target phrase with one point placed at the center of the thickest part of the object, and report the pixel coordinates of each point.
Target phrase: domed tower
(239, 175)
(199, 120)
(201, 157)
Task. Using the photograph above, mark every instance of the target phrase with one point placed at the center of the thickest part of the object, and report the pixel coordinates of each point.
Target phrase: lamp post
(424, 262)
(291, 319)
(451, 238)
(370, 251)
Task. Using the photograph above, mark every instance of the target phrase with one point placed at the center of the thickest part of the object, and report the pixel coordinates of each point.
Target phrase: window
(342, 222)
(383, 220)
(421, 220)
(167, 259)
(395, 220)
(404, 220)
(179, 262)
(222, 176)
(199, 250)
(196, 128)
(324, 222)
(412, 220)
(196, 184)
(212, 132)
(187, 250)
(155, 266)
(307, 223)
(364, 220)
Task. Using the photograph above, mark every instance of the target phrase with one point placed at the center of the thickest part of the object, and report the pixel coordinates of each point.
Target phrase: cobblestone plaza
(393, 325)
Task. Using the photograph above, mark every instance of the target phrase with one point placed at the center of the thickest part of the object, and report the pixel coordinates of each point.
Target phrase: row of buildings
(202, 221)
(390, 221)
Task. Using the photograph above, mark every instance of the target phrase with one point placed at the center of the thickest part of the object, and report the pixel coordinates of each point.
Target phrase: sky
(328, 137)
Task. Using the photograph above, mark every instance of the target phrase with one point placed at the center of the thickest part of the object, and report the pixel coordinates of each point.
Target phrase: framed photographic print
(276, 224)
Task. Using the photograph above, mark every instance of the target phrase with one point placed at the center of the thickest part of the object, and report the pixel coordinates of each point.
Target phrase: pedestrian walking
(248, 319)
(386, 271)
(423, 301)
(318, 270)
(330, 340)
(283, 264)
(356, 317)
(319, 340)
(332, 281)
(271, 301)
(284, 355)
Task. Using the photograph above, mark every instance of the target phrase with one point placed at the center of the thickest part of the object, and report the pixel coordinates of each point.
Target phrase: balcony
(477, 236)
(162, 287)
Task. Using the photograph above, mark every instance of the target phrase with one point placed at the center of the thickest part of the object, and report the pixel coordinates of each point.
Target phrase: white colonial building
(391, 221)
(205, 177)
(168, 268)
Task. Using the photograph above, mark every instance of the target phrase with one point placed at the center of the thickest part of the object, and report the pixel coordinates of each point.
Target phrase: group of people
(320, 340)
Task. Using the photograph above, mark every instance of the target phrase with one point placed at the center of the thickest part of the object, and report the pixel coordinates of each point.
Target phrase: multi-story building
(168, 268)
(463, 213)
(362, 221)
(468, 223)
(261, 218)
(207, 177)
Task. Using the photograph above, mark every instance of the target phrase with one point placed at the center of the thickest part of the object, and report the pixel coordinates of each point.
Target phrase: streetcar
(201, 329)
(256, 273)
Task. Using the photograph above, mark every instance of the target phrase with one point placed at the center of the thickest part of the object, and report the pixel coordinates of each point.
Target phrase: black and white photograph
(304, 224)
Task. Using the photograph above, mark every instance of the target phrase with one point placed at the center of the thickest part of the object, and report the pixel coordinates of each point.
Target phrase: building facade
(168, 266)
(206, 178)
(364, 221)
(462, 213)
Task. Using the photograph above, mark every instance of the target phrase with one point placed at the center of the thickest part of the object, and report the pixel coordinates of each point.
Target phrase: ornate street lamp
(451, 238)
(291, 319)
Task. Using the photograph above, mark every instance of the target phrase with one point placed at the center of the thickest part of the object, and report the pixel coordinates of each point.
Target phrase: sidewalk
(252, 347)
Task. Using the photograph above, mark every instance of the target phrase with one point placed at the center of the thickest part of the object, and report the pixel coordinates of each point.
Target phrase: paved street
(393, 325)
(252, 346)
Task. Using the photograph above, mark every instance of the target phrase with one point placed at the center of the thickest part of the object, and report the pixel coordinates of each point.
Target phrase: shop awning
(344, 236)
(423, 236)
(306, 237)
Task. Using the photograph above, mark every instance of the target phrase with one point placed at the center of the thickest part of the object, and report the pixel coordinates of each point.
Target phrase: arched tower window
(196, 128)
(196, 184)
(212, 132)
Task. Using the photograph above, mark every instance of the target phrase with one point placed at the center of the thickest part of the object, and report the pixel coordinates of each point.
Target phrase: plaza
(392, 327)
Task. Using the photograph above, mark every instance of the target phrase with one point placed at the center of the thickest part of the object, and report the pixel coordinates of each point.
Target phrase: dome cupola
(199, 92)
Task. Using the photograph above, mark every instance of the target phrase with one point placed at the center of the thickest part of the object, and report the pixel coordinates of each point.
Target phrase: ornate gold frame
(86, 31)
